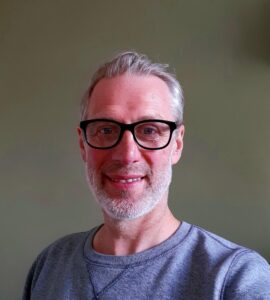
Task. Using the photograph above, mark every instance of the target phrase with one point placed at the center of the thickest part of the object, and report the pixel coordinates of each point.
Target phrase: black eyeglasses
(148, 134)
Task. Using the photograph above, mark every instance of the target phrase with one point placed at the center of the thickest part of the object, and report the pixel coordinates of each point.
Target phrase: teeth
(126, 180)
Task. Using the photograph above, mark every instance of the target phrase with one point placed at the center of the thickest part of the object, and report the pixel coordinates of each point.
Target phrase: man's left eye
(149, 130)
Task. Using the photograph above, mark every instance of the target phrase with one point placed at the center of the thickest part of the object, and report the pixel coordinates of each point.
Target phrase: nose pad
(127, 149)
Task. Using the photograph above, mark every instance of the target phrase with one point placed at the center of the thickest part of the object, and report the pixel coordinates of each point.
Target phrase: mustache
(118, 167)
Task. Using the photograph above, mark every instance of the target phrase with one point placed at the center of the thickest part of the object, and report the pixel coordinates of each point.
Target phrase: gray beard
(124, 207)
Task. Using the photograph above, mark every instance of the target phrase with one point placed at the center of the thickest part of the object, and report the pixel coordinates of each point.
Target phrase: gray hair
(139, 64)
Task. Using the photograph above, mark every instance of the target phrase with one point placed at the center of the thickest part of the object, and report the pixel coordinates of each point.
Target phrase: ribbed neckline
(121, 261)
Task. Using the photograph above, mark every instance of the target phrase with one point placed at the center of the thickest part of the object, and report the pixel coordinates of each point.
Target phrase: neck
(125, 237)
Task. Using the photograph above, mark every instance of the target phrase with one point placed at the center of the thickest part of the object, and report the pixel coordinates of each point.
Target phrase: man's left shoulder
(246, 274)
(219, 246)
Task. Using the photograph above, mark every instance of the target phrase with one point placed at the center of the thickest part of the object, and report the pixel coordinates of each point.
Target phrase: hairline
(115, 68)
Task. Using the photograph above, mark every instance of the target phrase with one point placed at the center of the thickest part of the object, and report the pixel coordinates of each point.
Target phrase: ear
(81, 143)
(178, 144)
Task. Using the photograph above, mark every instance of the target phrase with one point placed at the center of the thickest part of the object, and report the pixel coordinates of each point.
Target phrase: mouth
(125, 181)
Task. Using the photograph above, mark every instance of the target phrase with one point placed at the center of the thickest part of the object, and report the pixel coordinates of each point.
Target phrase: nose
(127, 150)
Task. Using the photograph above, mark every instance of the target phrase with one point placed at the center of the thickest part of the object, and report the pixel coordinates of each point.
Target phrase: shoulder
(248, 277)
(212, 246)
(216, 246)
(66, 247)
(212, 241)
(66, 244)
(242, 271)
(62, 247)
(64, 253)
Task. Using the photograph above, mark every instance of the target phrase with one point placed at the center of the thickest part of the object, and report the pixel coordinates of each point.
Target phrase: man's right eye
(105, 130)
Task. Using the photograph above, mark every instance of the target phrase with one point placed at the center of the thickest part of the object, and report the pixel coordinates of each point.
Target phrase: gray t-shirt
(192, 264)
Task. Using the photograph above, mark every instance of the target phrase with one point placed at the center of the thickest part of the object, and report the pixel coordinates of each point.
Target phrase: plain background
(220, 51)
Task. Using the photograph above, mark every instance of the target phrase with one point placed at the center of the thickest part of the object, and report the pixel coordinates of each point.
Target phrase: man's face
(127, 180)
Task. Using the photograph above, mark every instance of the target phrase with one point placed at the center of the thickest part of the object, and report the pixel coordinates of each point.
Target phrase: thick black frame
(130, 127)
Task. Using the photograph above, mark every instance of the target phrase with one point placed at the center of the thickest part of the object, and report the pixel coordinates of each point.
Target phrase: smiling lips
(125, 179)
(129, 180)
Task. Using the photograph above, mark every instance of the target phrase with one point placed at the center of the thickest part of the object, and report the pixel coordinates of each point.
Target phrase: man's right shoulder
(63, 255)
(62, 248)
(66, 243)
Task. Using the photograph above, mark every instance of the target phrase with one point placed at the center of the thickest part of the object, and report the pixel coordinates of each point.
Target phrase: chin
(127, 209)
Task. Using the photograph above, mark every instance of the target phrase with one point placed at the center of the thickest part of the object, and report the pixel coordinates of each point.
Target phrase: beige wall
(48, 49)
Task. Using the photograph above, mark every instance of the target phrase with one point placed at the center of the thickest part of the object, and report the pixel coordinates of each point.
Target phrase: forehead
(130, 97)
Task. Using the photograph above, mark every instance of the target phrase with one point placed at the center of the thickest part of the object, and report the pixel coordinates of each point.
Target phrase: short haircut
(135, 63)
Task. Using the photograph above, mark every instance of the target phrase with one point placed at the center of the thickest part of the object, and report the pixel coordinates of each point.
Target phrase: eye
(105, 130)
(102, 129)
(149, 130)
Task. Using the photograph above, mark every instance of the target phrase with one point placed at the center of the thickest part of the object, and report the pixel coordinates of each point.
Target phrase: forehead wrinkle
(130, 99)
(106, 112)
(112, 115)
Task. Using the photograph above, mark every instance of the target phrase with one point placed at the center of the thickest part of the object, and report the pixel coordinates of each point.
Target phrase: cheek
(158, 159)
(95, 158)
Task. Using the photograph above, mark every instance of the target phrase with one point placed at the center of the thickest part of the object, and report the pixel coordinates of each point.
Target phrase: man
(130, 135)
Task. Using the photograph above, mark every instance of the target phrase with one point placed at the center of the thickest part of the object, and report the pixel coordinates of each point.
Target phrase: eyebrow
(149, 117)
(145, 117)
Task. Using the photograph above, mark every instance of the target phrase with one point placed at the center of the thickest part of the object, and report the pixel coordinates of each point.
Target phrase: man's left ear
(178, 144)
